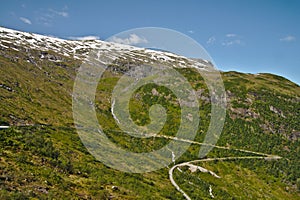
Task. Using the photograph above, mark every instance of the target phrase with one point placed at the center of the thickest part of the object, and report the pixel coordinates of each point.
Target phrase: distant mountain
(42, 156)
(158, 49)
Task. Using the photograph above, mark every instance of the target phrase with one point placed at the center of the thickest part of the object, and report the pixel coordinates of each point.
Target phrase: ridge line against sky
(247, 36)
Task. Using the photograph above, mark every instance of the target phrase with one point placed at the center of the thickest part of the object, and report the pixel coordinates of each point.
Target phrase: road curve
(190, 163)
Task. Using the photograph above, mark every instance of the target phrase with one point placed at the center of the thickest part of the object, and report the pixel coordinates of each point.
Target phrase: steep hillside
(42, 156)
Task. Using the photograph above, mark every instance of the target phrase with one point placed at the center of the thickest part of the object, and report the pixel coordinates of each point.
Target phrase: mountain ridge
(42, 156)
(85, 46)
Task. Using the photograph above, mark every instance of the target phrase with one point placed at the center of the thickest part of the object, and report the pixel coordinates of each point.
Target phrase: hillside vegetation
(42, 156)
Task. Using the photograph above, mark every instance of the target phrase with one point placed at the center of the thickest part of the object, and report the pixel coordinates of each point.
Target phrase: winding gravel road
(195, 167)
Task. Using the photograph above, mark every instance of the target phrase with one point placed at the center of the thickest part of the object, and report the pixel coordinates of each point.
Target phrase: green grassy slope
(42, 156)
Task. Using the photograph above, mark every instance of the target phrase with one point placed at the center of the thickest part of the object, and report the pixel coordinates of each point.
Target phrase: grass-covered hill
(42, 156)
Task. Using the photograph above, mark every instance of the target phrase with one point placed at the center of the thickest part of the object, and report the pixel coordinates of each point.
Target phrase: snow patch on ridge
(80, 49)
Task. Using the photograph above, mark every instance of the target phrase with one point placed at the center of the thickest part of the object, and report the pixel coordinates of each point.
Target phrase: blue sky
(249, 36)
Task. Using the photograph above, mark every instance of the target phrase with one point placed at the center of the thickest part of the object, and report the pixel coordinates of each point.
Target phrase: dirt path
(193, 167)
